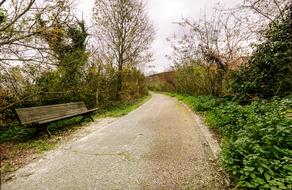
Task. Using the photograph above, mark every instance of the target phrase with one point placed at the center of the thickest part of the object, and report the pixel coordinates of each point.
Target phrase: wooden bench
(40, 117)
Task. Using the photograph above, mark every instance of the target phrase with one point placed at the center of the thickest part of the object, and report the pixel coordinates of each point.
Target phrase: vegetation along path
(161, 145)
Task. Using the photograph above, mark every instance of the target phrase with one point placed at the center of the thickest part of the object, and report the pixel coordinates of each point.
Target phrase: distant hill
(162, 81)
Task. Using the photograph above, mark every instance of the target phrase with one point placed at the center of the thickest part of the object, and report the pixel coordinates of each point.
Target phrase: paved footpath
(161, 145)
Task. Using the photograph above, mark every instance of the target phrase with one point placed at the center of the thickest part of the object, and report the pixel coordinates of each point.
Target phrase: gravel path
(161, 145)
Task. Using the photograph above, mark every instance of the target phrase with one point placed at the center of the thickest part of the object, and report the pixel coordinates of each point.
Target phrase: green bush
(200, 103)
(256, 145)
(195, 79)
(257, 148)
(269, 69)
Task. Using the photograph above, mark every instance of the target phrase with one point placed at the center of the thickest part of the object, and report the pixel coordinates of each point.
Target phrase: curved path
(160, 145)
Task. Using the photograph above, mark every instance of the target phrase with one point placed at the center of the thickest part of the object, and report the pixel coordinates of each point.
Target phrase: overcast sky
(163, 14)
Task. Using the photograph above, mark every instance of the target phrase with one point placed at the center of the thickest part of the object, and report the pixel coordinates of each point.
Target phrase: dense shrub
(269, 70)
(96, 89)
(256, 146)
(193, 80)
(133, 86)
(196, 79)
(200, 103)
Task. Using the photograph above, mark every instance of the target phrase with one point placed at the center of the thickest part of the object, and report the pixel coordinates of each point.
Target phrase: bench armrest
(93, 110)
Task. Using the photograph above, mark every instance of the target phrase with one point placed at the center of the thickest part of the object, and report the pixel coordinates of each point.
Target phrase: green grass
(256, 138)
(39, 145)
(7, 167)
(123, 109)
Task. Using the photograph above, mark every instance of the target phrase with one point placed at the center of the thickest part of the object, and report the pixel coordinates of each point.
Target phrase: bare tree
(24, 53)
(257, 14)
(269, 9)
(215, 42)
(124, 32)
(20, 33)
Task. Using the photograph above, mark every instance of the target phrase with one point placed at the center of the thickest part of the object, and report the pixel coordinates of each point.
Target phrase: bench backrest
(41, 113)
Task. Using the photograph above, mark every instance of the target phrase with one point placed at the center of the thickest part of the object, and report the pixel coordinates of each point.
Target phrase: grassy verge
(256, 139)
(123, 109)
(19, 146)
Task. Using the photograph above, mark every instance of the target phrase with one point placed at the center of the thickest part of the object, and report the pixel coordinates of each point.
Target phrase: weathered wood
(50, 112)
(41, 116)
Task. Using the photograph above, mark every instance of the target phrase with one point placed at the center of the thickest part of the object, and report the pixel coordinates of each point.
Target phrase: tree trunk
(120, 80)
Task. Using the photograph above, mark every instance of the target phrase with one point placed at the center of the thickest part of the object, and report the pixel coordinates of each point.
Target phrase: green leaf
(259, 180)
(266, 186)
(261, 170)
(248, 184)
(253, 175)
(267, 176)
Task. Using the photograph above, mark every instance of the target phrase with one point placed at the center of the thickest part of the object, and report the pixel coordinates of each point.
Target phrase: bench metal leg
(87, 116)
(91, 118)
(40, 128)
(37, 131)
(47, 131)
(83, 117)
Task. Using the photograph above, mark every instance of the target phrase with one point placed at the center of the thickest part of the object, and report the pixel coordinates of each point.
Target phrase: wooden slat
(67, 116)
(92, 110)
(42, 113)
(60, 118)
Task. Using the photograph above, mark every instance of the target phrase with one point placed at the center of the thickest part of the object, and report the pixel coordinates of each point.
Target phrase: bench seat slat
(60, 118)
(65, 117)
(93, 110)
(51, 112)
